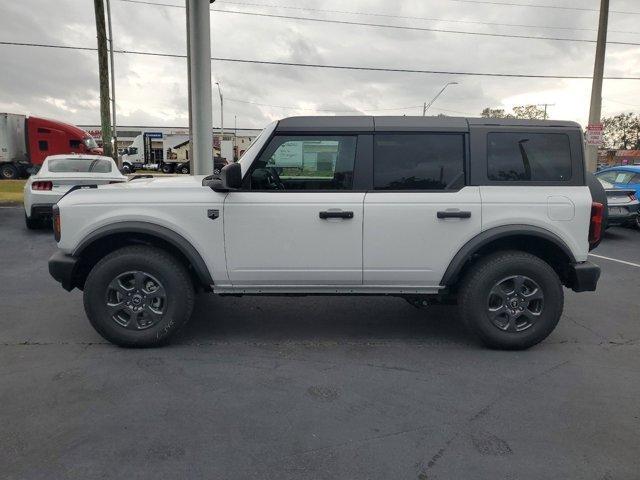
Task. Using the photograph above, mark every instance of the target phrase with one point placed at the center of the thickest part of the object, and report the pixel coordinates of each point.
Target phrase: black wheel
(8, 172)
(166, 168)
(126, 169)
(637, 222)
(511, 300)
(184, 170)
(32, 223)
(138, 296)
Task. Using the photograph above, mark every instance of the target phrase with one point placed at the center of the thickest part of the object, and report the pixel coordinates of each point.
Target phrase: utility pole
(103, 72)
(545, 105)
(426, 106)
(235, 137)
(114, 131)
(199, 69)
(221, 111)
(595, 109)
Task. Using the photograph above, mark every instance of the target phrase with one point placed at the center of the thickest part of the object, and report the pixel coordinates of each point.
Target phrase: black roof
(403, 123)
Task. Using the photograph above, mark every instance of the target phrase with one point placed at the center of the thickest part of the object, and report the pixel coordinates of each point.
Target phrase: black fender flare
(484, 238)
(163, 233)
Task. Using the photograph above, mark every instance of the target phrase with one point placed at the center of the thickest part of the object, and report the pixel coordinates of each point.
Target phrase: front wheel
(511, 300)
(138, 296)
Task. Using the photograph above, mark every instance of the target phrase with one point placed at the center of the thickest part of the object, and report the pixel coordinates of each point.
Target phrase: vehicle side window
(635, 179)
(424, 161)
(622, 177)
(305, 162)
(608, 176)
(523, 156)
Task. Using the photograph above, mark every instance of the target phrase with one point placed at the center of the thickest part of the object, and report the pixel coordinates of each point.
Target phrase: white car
(497, 215)
(60, 173)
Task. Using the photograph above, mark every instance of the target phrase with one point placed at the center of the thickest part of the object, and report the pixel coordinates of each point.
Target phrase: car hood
(181, 181)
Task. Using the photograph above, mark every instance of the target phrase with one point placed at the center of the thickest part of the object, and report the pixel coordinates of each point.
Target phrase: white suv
(496, 215)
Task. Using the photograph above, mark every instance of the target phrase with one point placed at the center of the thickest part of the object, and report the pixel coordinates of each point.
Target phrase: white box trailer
(13, 147)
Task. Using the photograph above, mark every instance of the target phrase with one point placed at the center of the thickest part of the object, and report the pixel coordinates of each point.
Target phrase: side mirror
(230, 178)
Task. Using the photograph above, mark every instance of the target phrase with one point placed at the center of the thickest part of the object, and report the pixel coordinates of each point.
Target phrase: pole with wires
(595, 109)
(428, 105)
(103, 75)
(114, 131)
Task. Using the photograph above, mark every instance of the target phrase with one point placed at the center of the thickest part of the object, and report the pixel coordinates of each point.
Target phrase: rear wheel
(8, 172)
(32, 223)
(184, 170)
(166, 168)
(511, 300)
(138, 296)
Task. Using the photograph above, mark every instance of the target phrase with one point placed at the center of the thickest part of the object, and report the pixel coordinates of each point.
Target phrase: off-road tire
(161, 265)
(483, 276)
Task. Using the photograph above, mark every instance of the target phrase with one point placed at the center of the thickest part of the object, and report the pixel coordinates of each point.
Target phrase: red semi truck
(26, 141)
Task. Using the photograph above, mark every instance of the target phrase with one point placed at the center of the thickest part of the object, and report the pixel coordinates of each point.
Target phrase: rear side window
(425, 161)
(522, 156)
(69, 165)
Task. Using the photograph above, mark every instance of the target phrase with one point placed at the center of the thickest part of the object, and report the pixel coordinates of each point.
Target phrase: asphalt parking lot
(316, 387)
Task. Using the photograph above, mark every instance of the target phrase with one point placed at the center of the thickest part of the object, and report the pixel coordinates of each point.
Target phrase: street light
(426, 106)
(221, 111)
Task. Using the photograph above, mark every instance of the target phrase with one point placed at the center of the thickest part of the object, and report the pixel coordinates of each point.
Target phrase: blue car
(625, 177)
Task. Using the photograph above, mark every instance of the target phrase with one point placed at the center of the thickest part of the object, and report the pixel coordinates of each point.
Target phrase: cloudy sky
(63, 84)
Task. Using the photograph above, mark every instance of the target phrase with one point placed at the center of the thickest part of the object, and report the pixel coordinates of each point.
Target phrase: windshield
(69, 165)
(89, 142)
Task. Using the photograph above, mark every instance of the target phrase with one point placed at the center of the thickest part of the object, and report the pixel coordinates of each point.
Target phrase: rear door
(420, 212)
(298, 219)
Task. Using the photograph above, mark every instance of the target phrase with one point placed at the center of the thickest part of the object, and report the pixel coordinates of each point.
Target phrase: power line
(292, 107)
(408, 17)
(396, 27)
(536, 5)
(334, 67)
(422, 29)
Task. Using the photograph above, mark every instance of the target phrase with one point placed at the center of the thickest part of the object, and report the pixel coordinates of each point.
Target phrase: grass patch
(11, 191)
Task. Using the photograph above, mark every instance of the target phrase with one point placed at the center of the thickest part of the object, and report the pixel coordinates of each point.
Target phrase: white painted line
(615, 260)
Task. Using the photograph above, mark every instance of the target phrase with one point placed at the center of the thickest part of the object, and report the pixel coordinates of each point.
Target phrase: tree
(622, 132)
(495, 113)
(521, 111)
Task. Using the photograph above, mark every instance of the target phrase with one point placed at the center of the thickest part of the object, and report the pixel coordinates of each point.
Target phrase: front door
(297, 220)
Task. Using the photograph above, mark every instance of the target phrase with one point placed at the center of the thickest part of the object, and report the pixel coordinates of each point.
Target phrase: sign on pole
(595, 134)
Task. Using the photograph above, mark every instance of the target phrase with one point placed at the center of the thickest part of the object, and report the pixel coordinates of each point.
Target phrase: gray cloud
(152, 90)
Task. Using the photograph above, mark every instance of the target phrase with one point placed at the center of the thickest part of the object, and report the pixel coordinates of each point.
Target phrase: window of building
(425, 161)
(306, 163)
(523, 156)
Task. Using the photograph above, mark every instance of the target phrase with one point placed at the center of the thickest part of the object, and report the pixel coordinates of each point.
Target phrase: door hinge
(213, 213)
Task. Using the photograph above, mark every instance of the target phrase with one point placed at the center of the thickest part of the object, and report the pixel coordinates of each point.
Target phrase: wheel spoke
(133, 323)
(533, 295)
(113, 308)
(518, 283)
(139, 278)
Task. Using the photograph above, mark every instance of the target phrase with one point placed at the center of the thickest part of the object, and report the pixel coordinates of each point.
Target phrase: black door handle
(335, 214)
(454, 214)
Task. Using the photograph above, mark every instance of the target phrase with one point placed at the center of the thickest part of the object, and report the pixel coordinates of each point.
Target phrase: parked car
(623, 206)
(623, 176)
(58, 174)
(440, 209)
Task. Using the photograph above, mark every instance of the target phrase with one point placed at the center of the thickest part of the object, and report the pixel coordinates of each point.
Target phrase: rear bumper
(584, 276)
(63, 268)
(40, 210)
